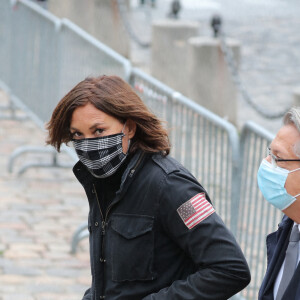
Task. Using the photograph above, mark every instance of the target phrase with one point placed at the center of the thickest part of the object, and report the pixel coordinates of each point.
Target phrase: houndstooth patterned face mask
(102, 155)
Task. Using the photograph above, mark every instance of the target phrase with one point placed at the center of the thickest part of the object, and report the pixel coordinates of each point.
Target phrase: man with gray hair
(279, 181)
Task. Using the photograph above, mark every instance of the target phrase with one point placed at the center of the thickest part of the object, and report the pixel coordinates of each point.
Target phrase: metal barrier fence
(5, 36)
(82, 55)
(204, 143)
(5, 39)
(42, 57)
(34, 56)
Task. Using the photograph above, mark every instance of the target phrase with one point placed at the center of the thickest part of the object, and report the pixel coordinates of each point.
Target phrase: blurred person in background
(154, 233)
(279, 181)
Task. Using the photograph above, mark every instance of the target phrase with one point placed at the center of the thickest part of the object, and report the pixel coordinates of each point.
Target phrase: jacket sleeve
(87, 295)
(222, 270)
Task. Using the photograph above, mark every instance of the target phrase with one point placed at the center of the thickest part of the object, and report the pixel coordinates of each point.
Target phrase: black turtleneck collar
(107, 187)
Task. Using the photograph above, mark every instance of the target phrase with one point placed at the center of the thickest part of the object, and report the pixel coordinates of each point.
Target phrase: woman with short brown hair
(114, 97)
(154, 233)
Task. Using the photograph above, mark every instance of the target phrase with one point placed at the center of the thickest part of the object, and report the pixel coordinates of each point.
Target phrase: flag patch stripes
(195, 210)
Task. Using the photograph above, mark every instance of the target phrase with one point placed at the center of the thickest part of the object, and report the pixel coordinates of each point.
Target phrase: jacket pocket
(132, 248)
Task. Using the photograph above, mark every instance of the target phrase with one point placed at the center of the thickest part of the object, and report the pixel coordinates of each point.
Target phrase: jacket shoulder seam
(167, 165)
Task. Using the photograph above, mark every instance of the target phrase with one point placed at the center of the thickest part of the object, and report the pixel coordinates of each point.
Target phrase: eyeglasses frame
(278, 159)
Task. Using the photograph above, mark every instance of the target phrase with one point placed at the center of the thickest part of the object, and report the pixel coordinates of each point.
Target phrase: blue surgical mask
(271, 181)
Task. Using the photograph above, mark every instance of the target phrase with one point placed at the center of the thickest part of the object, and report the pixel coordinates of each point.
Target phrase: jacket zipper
(132, 171)
(111, 205)
(102, 260)
(103, 223)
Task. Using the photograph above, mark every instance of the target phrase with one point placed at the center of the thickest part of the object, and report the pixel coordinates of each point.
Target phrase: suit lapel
(279, 254)
(277, 261)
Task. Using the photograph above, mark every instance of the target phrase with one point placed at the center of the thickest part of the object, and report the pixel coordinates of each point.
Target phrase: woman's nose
(89, 136)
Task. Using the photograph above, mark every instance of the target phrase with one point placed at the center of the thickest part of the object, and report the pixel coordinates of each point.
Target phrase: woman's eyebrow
(73, 128)
(96, 125)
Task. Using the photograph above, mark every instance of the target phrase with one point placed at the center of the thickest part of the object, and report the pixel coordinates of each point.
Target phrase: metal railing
(43, 57)
(204, 143)
(82, 55)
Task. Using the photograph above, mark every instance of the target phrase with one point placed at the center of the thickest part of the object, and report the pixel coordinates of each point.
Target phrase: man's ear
(131, 128)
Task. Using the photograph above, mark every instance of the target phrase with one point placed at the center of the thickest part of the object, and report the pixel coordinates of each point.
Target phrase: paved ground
(38, 217)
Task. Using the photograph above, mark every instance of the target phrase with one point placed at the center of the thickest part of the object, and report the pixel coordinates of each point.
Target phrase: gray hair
(293, 117)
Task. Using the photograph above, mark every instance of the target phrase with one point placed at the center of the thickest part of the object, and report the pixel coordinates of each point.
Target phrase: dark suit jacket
(277, 243)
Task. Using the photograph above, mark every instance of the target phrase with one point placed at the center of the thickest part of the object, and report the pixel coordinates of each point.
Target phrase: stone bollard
(296, 95)
(210, 81)
(100, 18)
(169, 47)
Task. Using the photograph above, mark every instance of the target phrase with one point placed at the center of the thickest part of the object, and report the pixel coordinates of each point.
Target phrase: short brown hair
(115, 97)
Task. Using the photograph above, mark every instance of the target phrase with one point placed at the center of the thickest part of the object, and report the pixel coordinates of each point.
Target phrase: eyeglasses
(275, 159)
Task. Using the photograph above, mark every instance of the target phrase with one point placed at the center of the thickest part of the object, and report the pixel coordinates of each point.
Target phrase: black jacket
(141, 248)
(277, 243)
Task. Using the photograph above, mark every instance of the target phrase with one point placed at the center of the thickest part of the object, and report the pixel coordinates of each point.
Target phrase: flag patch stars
(195, 210)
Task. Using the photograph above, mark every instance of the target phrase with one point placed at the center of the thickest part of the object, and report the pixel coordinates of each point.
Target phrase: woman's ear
(131, 128)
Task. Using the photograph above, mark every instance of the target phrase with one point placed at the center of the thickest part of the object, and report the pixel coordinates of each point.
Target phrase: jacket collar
(280, 246)
(285, 224)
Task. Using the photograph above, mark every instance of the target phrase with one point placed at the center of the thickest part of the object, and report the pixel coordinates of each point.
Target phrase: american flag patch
(195, 210)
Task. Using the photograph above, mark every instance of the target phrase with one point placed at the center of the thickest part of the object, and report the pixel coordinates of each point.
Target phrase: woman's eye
(75, 135)
(98, 131)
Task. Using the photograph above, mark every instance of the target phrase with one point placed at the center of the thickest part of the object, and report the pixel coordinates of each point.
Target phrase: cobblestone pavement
(39, 212)
(268, 32)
